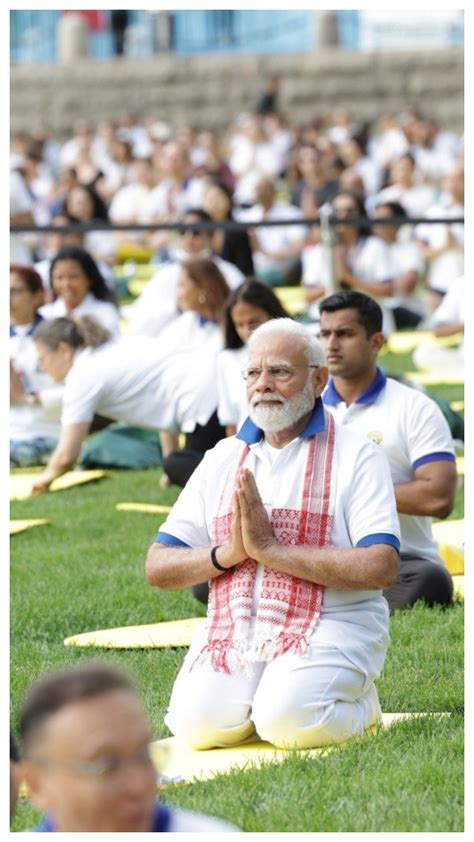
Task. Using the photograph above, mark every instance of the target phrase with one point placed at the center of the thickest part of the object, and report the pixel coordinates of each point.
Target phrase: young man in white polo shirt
(280, 519)
(410, 430)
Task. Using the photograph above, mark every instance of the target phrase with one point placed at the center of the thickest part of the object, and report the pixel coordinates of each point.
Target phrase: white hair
(313, 348)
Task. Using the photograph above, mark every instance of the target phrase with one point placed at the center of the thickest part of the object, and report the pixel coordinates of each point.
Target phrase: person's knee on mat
(210, 726)
(311, 726)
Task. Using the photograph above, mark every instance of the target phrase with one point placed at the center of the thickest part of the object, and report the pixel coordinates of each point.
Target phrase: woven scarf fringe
(227, 655)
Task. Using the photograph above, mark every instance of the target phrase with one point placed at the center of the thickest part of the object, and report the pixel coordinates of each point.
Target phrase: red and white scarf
(289, 607)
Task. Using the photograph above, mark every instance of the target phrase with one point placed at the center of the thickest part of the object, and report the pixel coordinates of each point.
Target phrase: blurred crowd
(374, 178)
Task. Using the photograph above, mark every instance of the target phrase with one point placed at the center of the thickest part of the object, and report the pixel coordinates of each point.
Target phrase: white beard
(285, 413)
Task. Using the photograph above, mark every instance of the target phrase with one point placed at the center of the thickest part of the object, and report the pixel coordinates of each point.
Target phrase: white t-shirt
(233, 404)
(131, 204)
(411, 431)
(450, 264)
(274, 238)
(405, 257)
(368, 260)
(165, 202)
(188, 333)
(29, 422)
(415, 200)
(156, 306)
(135, 380)
(364, 514)
(105, 312)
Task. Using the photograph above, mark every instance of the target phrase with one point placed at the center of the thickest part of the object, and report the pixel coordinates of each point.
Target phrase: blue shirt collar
(251, 434)
(31, 328)
(160, 822)
(331, 395)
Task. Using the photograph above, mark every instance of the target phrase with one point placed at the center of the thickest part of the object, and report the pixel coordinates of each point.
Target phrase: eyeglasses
(101, 767)
(276, 372)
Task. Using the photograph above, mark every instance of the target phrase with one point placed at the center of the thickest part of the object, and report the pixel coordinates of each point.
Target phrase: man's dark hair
(49, 694)
(369, 313)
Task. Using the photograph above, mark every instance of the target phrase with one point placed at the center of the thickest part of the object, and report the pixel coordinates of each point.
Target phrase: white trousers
(292, 702)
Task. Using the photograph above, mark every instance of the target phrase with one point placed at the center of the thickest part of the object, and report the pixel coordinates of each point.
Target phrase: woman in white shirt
(201, 295)
(79, 289)
(249, 306)
(35, 401)
(132, 379)
(361, 261)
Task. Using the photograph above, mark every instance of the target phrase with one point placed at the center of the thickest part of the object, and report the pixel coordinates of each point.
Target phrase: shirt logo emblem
(375, 436)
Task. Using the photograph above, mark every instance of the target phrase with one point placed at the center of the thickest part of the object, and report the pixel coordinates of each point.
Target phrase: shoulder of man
(183, 821)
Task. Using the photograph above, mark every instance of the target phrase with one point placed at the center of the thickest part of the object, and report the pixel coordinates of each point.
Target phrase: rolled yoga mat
(17, 526)
(22, 484)
(153, 636)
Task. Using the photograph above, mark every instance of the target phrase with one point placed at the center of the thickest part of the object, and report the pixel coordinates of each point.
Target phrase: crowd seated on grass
(260, 168)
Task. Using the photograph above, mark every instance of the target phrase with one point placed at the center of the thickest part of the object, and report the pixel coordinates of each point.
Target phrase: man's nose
(264, 382)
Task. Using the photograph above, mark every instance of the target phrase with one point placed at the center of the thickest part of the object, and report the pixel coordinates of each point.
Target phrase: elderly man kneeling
(294, 523)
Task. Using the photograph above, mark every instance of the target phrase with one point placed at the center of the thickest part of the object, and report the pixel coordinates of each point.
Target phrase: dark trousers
(180, 464)
(419, 579)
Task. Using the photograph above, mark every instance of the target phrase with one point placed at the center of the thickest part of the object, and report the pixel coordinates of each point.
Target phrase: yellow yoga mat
(149, 508)
(178, 762)
(136, 286)
(17, 526)
(402, 342)
(450, 537)
(430, 378)
(152, 636)
(292, 298)
(21, 484)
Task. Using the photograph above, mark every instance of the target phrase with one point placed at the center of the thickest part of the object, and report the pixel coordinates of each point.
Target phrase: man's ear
(377, 341)
(31, 775)
(320, 378)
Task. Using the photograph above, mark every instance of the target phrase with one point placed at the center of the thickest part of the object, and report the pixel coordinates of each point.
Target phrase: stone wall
(211, 90)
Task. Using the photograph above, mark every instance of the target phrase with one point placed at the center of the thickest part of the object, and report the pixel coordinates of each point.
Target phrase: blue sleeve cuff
(433, 457)
(379, 538)
(169, 540)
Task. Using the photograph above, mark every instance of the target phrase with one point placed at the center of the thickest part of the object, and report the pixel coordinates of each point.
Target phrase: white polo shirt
(411, 431)
(232, 392)
(29, 422)
(135, 380)
(157, 307)
(364, 514)
(368, 260)
(105, 312)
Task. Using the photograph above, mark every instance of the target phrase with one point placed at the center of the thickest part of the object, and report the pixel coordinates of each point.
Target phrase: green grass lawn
(85, 571)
